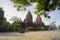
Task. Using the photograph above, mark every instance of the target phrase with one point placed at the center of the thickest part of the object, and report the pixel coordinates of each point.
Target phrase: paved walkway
(39, 35)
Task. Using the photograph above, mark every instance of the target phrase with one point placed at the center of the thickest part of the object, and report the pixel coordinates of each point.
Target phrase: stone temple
(38, 21)
(28, 21)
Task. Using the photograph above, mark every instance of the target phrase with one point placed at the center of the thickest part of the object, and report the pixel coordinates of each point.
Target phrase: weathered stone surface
(28, 19)
(28, 22)
(38, 20)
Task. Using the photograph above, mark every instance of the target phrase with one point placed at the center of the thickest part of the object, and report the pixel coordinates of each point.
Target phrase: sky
(10, 11)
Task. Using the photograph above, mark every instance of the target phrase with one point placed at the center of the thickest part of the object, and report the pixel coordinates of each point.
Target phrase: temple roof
(29, 15)
(38, 20)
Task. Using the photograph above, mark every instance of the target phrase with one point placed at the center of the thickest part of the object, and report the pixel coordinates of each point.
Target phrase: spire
(38, 20)
(29, 15)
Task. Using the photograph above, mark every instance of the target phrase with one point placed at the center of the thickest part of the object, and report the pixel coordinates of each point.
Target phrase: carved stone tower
(28, 21)
(38, 21)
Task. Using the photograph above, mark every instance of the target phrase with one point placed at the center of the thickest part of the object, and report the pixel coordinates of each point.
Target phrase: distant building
(28, 21)
(38, 21)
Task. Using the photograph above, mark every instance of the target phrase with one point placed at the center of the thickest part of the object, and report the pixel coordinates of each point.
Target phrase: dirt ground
(37, 35)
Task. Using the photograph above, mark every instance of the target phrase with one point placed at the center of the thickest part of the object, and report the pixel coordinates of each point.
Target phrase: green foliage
(52, 26)
(1, 16)
(20, 4)
(4, 26)
(7, 27)
(41, 4)
(16, 19)
(46, 5)
(30, 27)
(13, 27)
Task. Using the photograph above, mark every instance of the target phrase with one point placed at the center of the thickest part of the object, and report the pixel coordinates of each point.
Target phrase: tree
(4, 25)
(1, 16)
(42, 6)
(15, 26)
(16, 19)
(59, 27)
(53, 26)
